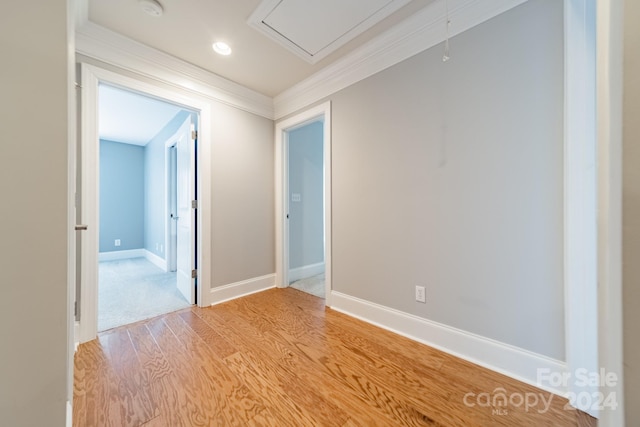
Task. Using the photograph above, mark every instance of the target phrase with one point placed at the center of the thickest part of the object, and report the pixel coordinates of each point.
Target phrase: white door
(185, 194)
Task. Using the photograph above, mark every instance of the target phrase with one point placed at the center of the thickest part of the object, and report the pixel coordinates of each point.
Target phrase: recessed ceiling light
(222, 48)
(151, 7)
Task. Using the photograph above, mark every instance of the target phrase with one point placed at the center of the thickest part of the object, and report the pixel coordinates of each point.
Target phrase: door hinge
(194, 134)
(75, 309)
(194, 204)
(194, 274)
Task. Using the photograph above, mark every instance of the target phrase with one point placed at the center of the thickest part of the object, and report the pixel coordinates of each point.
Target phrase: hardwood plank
(271, 347)
(138, 405)
(239, 399)
(220, 346)
(101, 400)
(163, 386)
(198, 403)
(280, 358)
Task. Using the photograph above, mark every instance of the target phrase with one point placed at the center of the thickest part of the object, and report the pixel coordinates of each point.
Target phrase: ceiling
(131, 118)
(187, 28)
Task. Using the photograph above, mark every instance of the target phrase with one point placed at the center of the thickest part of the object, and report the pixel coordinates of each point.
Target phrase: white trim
(422, 30)
(580, 224)
(133, 253)
(243, 288)
(89, 205)
(264, 9)
(91, 77)
(76, 336)
(69, 419)
(609, 47)
(306, 271)
(126, 254)
(323, 112)
(155, 260)
(81, 12)
(100, 43)
(506, 359)
(72, 217)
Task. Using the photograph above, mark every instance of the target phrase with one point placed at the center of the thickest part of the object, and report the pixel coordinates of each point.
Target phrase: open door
(186, 211)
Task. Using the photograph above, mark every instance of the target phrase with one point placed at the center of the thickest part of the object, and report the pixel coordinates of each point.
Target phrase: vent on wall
(312, 30)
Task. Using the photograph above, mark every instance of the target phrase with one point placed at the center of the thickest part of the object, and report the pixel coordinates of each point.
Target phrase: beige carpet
(312, 285)
(134, 289)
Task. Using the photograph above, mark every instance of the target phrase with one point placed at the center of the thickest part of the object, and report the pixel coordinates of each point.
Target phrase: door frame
(322, 113)
(91, 77)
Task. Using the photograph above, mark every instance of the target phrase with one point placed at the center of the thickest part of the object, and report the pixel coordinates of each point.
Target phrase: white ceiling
(188, 28)
(131, 118)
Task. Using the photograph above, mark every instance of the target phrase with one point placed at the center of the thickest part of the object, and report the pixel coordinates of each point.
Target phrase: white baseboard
(156, 260)
(116, 255)
(515, 362)
(76, 336)
(306, 271)
(241, 289)
(69, 414)
(134, 253)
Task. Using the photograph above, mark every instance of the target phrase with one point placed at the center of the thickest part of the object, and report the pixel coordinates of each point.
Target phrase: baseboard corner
(242, 288)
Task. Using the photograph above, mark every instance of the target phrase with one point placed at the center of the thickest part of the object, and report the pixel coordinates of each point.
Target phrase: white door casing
(91, 77)
(323, 112)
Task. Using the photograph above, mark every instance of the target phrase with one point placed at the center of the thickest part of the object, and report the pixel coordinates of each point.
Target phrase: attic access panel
(314, 29)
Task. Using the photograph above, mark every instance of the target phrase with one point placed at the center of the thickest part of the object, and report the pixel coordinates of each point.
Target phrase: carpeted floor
(312, 285)
(134, 289)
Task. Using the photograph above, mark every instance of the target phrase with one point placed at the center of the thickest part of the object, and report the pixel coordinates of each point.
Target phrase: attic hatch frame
(267, 7)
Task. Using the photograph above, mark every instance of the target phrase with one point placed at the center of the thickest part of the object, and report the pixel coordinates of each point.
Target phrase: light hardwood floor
(279, 358)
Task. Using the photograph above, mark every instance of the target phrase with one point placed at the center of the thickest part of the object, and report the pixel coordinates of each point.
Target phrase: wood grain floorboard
(280, 358)
(131, 380)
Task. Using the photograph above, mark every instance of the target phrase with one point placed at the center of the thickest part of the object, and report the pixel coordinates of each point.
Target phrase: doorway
(303, 202)
(156, 244)
(137, 278)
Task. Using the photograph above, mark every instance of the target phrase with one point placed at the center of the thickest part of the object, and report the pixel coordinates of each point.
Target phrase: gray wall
(33, 225)
(306, 217)
(449, 175)
(155, 181)
(243, 196)
(122, 195)
(631, 213)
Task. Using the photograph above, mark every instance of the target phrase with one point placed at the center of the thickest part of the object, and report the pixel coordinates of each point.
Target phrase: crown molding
(415, 34)
(105, 45)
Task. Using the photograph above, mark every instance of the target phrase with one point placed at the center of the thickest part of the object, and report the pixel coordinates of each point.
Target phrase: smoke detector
(151, 7)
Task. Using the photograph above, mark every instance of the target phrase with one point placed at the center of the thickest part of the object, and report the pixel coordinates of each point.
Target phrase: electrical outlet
(420, 294)
(117, 242)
